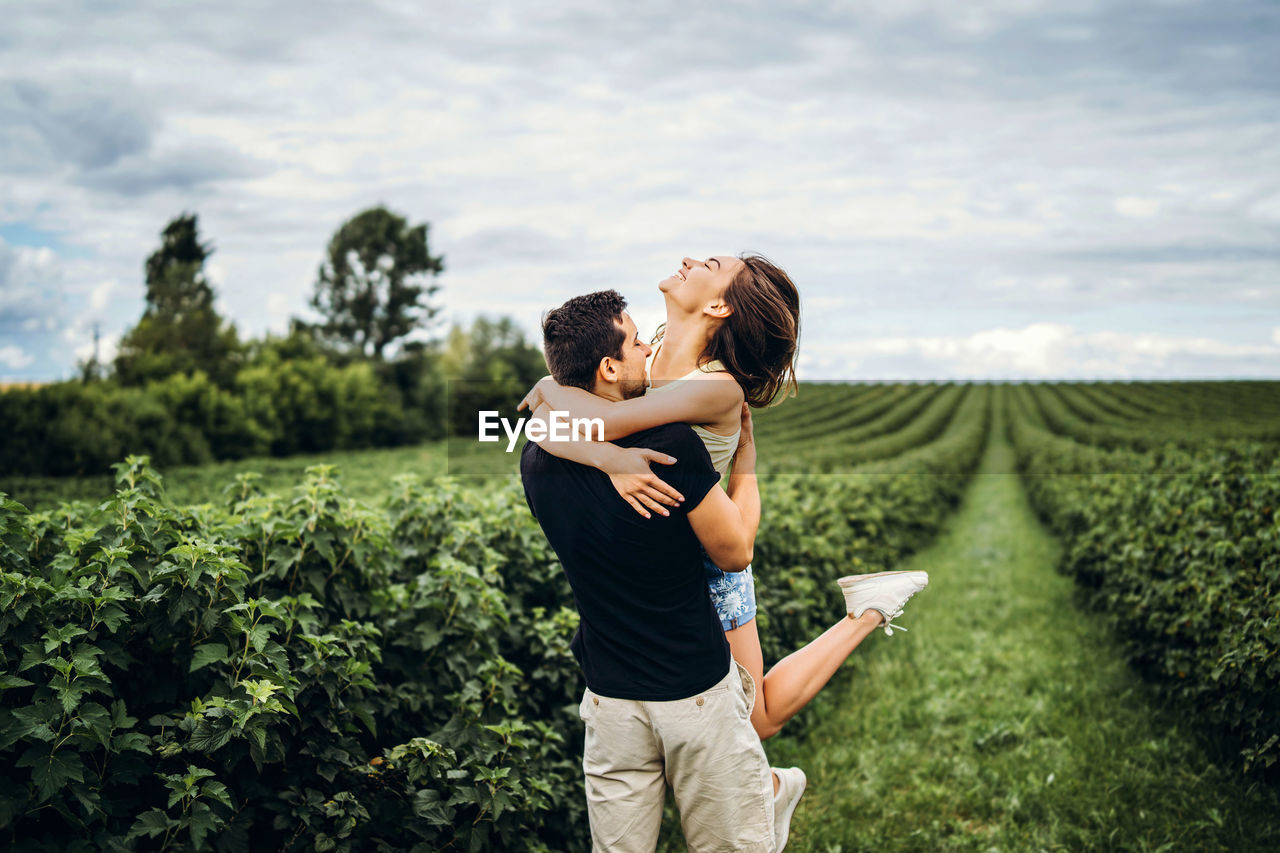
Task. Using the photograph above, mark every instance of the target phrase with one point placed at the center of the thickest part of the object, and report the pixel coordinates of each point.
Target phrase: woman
(730, 338)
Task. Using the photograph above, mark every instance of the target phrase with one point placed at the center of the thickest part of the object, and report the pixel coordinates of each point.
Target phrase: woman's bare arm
(704, 400)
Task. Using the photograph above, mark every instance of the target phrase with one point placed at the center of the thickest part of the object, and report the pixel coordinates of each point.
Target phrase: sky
(993, 189)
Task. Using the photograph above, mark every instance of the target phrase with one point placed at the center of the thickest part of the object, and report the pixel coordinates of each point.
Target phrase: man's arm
(726, 524)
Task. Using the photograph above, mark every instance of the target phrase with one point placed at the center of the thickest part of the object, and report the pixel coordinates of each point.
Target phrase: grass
(1005, 719)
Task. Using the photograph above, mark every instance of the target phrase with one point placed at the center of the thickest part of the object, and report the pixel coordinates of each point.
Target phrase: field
(374, 655)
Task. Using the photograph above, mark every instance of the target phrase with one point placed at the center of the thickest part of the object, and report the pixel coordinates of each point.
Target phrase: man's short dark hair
(578, 334)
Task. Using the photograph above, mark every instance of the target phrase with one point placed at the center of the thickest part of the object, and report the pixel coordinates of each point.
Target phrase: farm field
(1007, 717)
(1091, 666)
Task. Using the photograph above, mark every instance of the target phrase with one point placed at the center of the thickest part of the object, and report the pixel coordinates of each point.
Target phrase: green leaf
(206, 654)
(152, 823)
(57, 636)
(259, 634)
(202, 821)
(131, 741)
(217, 791)
(97, 719)
(34, 721)
(7, 681)
(119, 716)
(51, 771)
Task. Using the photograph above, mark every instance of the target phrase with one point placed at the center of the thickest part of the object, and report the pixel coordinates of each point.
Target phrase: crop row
(916, 421)
(818, 401)
(1060, 415)
(848, 406)
(862, 423)
(1180, 546)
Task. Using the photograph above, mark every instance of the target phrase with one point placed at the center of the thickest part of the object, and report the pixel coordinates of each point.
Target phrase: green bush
(310, 405)
(308, 672)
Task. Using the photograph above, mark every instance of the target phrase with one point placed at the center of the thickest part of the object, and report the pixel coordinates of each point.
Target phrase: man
(664, 700)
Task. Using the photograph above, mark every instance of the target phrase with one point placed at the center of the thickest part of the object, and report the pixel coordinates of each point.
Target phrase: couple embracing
(661, 566)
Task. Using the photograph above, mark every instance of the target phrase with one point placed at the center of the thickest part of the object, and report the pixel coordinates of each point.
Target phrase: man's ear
(608, 370)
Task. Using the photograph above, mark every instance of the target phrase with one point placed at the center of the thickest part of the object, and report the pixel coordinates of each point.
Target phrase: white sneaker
(886, 592)
(791, 784)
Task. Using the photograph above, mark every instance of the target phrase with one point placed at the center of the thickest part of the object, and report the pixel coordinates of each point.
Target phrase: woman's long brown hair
(757, 342)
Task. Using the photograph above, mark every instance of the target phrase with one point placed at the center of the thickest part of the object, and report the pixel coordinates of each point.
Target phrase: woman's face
(700, 285)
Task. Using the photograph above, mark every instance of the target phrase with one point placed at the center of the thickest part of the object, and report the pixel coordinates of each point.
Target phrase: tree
(372, 286)
(488, 367)
(180, 330)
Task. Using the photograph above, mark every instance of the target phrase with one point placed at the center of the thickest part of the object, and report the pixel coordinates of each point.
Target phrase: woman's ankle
(870, 617)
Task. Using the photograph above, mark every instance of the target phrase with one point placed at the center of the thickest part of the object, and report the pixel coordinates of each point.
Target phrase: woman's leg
(797, 678)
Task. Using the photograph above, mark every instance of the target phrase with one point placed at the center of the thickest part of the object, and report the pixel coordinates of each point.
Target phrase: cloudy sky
(985, 189)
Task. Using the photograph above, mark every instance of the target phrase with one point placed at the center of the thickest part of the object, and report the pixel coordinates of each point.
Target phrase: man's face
(628, 373)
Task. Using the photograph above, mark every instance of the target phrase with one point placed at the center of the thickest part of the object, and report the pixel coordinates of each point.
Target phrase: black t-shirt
(648, 629)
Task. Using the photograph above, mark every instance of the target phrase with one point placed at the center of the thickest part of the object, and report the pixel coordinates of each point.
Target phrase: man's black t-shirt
(648, 629)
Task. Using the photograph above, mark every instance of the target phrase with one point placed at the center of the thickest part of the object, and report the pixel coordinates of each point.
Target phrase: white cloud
(1050, 351)
(1138, 208)
(101, 294)
(14, 358)
(1275, 336)
(279, 309)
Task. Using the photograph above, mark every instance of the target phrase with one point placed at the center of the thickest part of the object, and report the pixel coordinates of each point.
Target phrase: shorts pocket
(745, 688)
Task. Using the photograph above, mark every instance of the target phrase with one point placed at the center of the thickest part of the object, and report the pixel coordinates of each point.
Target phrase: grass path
(1005, 719)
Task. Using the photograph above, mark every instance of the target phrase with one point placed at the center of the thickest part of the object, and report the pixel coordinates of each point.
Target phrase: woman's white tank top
(721, 447)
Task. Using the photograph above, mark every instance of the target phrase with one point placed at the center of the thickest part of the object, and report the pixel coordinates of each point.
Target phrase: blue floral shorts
(732, 593)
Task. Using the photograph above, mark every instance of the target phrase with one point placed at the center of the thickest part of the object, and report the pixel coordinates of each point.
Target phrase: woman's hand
(744, 458)
(534, 398)
(628, 470)
(747, 436)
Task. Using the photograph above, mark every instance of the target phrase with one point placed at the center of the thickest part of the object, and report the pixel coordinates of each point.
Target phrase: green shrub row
(817, 402)
(839, 449)
(1182, 549)
(1185, 425)
(278, 407)
(858, 423)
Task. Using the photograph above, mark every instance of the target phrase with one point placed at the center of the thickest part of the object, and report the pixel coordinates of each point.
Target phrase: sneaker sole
(791, 809)
(849, 580)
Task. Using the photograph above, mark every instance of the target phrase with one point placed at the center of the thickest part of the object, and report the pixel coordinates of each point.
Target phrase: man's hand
(628, 470)
(534, 398)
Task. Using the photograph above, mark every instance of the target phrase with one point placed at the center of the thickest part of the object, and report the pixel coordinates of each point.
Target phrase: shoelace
(888, 620)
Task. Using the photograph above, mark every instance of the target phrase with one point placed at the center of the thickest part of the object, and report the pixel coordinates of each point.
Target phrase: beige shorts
(703, 746)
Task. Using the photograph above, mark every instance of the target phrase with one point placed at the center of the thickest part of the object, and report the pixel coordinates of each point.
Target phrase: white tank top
(721, 447)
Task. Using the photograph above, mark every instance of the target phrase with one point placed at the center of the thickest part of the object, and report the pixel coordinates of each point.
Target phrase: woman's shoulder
(722, 384)
(723, 378)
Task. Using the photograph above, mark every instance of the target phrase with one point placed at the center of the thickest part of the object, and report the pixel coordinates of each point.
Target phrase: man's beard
(632, 388)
